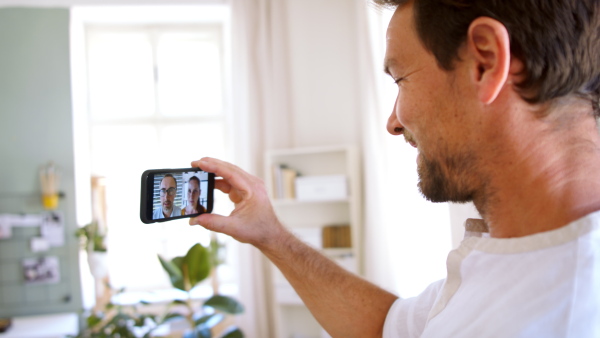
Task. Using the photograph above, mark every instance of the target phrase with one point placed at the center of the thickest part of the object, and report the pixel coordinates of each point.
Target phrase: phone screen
(175, 193)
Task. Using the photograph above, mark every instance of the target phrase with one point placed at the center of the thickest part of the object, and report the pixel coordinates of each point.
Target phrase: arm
(344, 304)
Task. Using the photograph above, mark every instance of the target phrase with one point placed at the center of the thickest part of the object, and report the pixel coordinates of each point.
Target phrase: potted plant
(93, 241)
(185, 273)
(119, 321)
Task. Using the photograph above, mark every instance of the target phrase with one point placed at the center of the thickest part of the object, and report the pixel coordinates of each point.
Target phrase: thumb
(211, 222)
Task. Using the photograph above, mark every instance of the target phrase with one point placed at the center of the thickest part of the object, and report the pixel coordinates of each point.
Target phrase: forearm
(343, 303)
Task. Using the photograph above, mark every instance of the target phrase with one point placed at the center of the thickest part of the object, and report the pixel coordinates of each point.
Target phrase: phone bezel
(146, 200)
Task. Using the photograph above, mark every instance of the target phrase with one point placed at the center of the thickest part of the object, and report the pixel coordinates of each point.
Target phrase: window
(156, 98)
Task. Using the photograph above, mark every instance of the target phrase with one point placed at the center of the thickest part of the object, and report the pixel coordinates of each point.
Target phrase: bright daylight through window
(156, 99)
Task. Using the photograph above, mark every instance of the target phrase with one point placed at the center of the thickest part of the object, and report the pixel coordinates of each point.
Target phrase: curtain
(261, 120)
(406, 237)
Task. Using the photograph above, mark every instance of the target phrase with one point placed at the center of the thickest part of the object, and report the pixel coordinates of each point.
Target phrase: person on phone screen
(193, 198)
(168, 191)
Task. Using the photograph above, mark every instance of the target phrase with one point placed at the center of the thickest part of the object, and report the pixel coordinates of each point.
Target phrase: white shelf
(43, 326)
(306, 218)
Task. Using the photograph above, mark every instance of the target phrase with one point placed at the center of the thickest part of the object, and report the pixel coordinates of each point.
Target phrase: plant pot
(98, 262)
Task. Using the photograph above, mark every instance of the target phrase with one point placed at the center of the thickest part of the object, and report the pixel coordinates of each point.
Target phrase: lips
(410, 140)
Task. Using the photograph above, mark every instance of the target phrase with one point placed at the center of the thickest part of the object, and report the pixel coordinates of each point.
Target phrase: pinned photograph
(41, 270)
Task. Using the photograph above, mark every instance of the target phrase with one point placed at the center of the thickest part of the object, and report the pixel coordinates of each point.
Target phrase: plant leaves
(225, 304)
(174, 272)
(93, 319)
(204, 333)
(178, 302)
(209, 321)
(198, 264)
(233, 332)
(170, 316)
(178, 261)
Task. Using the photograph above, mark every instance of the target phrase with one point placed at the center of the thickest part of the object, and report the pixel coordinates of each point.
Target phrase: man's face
(431, 110)
(167, 187)
(193, 192)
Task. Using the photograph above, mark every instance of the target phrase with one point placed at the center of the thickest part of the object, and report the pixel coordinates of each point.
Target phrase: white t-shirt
(543, 285)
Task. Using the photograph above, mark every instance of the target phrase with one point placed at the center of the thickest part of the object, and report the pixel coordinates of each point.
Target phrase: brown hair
(557, 40)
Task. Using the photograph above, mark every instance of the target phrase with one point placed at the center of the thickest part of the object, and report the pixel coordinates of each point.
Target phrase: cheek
(409, 110)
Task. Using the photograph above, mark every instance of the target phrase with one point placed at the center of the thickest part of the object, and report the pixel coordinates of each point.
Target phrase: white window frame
(165, 18)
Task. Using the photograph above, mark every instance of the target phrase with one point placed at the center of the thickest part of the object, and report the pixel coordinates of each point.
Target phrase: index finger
(233, 174)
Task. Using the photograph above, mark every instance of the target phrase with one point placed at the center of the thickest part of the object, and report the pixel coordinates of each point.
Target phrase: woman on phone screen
(193, 198)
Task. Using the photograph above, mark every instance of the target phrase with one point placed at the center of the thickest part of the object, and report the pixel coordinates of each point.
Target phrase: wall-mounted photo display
(41, 270)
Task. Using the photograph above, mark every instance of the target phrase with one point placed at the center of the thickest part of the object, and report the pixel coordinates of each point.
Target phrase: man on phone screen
(168, 191)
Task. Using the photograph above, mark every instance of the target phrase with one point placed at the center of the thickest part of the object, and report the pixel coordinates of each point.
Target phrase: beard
(447, 180)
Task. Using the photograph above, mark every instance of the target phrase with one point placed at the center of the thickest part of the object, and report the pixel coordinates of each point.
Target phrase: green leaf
(216, 251)
(204, 333)
(209, 320)
(93, 320)
(197, 261)
(174, 272)
(178, 261)
(178, 302)
(170, 316)
(225, 304)
(233, 332)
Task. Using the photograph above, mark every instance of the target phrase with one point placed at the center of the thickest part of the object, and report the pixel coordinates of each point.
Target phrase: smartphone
(169, 194)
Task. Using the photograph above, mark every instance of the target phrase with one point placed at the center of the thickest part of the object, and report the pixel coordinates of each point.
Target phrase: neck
(544, 178)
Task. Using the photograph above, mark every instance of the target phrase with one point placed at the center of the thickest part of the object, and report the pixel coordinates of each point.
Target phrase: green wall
(35, 127)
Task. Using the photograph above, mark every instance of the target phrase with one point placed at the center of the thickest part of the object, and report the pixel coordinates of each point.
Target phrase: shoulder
(407, 317)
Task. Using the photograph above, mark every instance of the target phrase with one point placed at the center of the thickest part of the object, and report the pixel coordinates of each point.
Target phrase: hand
(253, 219)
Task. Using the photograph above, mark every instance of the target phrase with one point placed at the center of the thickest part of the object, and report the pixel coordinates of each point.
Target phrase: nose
(394, 126)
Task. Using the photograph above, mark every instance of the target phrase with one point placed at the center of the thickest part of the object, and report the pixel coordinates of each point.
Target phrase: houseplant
(93, 241)
(185, 273)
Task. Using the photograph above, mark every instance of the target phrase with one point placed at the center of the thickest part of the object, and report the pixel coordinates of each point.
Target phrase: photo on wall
(41, 270)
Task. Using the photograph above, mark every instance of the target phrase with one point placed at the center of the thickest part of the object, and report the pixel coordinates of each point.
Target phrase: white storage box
(321, 188)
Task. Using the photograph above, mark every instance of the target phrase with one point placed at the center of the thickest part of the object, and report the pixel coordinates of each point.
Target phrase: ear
(489, 47)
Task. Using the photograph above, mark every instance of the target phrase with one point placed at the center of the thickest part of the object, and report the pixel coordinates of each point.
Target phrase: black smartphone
(169, 194)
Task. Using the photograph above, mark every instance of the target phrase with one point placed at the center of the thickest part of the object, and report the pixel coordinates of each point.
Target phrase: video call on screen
(182, 194)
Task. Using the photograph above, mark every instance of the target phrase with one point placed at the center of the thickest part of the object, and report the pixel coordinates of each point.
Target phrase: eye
(398, 80)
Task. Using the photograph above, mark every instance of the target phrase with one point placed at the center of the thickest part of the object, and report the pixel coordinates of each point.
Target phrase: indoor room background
(274, 78)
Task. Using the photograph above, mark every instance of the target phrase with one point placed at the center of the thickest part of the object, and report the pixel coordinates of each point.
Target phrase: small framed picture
(41, 270)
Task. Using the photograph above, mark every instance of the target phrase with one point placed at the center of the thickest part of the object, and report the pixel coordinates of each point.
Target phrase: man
(500, 98)
(168, 191)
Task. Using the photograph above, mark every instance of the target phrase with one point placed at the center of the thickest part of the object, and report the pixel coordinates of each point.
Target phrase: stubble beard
(447, 180)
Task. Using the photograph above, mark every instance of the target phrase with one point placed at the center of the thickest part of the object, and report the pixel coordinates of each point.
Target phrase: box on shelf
(310, 236)
(321, 188)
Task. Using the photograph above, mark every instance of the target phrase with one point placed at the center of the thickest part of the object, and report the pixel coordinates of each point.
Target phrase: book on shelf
(284, 178)
(337, 236)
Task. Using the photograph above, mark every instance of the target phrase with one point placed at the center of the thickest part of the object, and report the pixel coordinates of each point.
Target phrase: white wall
(324, 72)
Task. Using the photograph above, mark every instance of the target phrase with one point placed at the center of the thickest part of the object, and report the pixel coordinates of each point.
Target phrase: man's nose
(394, 126)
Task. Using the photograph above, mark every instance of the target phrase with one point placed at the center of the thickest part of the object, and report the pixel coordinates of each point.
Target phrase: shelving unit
(306, 218)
